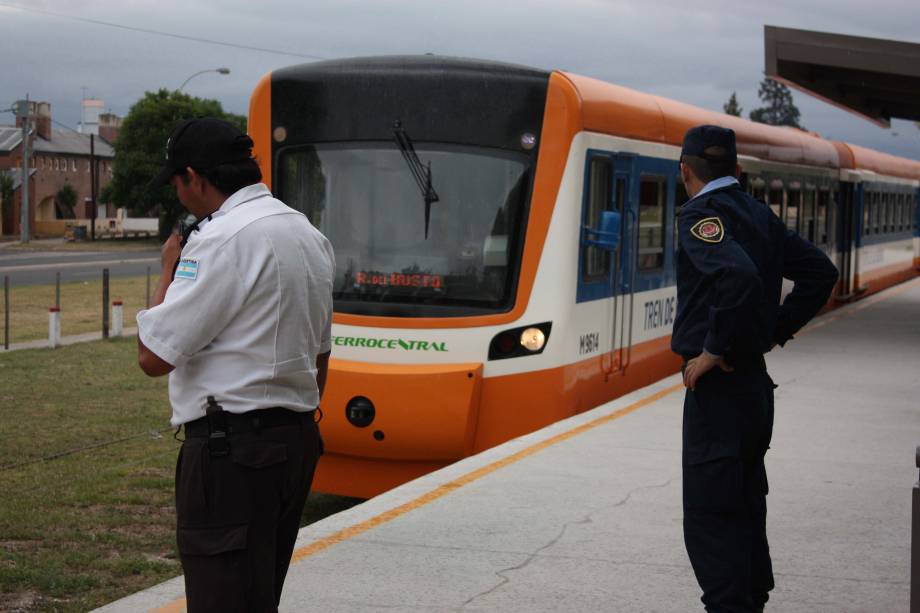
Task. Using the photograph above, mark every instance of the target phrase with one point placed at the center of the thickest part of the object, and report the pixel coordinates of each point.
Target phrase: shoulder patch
(187, 269)
(709, 230)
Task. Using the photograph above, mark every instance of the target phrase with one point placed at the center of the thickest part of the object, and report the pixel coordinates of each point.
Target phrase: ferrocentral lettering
(388, 343)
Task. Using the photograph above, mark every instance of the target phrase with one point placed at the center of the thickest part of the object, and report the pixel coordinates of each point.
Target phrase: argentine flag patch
(187, 269)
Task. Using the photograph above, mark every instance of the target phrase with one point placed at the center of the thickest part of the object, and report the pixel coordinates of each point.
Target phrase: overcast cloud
(694, 52)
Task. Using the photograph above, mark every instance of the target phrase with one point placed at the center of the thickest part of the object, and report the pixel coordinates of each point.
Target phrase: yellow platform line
(178, 606)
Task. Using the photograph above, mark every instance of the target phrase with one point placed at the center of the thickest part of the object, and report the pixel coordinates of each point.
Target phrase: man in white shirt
(241, 321)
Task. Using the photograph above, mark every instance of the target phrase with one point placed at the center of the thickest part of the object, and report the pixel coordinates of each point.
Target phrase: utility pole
(23, 108)
(92, 184)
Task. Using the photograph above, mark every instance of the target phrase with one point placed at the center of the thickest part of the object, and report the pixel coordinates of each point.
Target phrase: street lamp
(217, 70)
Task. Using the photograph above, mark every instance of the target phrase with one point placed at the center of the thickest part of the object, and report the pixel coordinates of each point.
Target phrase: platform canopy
(875, 78)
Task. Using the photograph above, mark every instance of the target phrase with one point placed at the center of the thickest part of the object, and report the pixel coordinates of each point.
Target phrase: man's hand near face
(150, 362)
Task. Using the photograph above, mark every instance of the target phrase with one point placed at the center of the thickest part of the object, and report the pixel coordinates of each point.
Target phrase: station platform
(585, 515)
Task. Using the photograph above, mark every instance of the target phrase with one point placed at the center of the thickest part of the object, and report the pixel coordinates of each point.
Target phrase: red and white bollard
(118, 317)
(54, 327)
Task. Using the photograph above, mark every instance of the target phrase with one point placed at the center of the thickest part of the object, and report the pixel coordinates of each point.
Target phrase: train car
(476, 297)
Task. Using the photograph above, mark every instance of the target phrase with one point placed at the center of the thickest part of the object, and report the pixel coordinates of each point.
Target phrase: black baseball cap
(203, 143)
(700, 138)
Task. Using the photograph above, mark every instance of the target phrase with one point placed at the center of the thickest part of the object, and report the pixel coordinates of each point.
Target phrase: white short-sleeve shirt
(248, 311)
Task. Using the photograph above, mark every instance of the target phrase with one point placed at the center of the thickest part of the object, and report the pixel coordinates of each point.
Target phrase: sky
(696, 52)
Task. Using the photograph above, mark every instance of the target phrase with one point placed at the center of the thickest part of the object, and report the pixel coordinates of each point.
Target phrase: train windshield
(401, 249)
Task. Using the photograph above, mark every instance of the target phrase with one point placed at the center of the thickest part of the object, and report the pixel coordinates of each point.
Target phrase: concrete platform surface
(585, 515)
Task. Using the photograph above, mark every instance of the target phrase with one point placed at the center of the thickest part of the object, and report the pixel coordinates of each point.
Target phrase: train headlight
(520, 342)
(533, 339)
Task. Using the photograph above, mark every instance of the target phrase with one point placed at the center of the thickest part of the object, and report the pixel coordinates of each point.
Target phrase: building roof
(875, 78)
(64, 142)
(10, 137)
(73, 143)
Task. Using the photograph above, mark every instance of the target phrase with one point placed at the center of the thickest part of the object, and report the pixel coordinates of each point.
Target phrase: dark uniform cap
(697, 140)
(202, 144)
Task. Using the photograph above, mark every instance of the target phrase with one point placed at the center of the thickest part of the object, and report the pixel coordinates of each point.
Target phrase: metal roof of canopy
(875, 78)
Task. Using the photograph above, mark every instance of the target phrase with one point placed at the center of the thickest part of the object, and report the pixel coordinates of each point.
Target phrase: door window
(652, 192)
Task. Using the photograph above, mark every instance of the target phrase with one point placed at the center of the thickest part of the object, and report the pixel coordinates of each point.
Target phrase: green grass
(86, 470)
(81, 306)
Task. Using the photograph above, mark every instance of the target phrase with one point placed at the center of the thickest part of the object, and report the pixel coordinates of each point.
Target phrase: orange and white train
(471, 305)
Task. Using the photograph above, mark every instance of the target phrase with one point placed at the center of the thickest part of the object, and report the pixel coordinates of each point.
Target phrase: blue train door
(623, 269)
(644, 191)
(602, 273)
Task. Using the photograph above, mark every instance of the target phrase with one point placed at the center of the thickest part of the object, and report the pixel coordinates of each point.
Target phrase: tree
(66, 199)
(731, 107)
(6, 194)
(140, 151)
(778, 109)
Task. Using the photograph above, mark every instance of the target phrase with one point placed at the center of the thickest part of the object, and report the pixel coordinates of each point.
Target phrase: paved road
(39, 267)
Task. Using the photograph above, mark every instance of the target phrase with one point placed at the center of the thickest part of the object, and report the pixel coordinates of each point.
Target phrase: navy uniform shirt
(732, 257)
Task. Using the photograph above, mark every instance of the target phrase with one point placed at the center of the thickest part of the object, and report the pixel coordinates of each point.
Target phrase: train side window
(882, 212)
(907, 201)
(808, 215)
(895, 215)
(680, 198)
(889, 206)
(652, 193)
(793, 198)
(776, 201)
(905, 211)
(867, 214)
(822, 218)
(908, 207)
(892, 220)
(876, 212)
(886, 211)
(596, 262)
(913, 212)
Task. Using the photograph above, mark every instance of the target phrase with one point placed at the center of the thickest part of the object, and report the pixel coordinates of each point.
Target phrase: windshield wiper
(420, 172)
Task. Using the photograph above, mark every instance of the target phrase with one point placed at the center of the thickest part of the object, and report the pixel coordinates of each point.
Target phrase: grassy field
(81, 306)
(86, 470)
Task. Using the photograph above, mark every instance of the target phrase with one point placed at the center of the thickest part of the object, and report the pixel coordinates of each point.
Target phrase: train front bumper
(423, 416)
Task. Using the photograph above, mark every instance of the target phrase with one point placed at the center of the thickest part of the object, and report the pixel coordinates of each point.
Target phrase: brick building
(58, 157)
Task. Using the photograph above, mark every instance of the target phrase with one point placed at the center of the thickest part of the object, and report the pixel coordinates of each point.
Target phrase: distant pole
(92, 185)
(105, 303)
(24, 209)
(57, 290)
(6, 312)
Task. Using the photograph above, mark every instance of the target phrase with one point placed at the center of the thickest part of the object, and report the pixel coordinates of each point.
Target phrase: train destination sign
(398, 279)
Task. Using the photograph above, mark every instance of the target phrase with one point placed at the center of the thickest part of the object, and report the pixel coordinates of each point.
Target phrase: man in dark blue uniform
(733, 255)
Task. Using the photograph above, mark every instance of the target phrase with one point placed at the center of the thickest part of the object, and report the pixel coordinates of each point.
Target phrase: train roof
(620, 111)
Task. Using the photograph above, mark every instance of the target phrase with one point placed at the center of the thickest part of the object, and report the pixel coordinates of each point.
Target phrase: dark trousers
(728, 422)
(239, 513)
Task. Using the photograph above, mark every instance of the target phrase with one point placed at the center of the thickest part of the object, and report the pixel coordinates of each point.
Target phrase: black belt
(738, 361)
(746, 361)
(252, 421)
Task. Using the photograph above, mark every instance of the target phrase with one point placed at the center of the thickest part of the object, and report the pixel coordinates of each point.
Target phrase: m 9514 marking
(589, 343)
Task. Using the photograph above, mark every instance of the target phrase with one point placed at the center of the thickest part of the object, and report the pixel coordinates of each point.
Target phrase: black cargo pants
(239, 514)
(728, 422)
